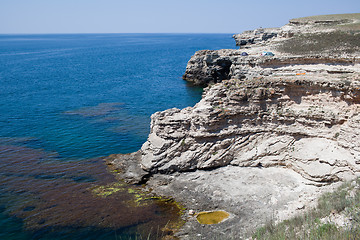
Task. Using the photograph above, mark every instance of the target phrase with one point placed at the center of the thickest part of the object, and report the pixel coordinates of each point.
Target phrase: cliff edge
(278, 123)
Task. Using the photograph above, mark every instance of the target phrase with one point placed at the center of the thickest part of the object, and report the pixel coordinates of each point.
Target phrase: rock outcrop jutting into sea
(308, 124)
(296, 114)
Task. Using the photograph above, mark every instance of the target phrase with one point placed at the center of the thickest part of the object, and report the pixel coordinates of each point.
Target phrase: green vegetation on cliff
(334, 17)
(325, 34)
(337, 216)
(336, 42)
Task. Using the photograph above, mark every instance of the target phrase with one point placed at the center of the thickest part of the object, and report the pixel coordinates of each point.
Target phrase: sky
(159, 16)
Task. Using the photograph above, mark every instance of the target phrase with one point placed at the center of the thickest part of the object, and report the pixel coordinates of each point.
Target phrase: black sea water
(66, 101)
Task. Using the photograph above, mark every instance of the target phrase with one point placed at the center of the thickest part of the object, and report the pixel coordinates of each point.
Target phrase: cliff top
(339, 21)
(325, 35)
(337, 34)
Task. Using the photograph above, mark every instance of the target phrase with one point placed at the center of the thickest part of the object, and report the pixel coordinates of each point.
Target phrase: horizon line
(119, 33)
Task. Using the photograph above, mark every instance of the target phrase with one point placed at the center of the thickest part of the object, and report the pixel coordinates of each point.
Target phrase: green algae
(143, 198)
(107, 190)
(140, 196)
(131, 190)
(213, 217)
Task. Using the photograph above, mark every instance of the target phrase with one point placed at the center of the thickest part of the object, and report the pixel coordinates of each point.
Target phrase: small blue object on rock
(244, 54)
(267, 54)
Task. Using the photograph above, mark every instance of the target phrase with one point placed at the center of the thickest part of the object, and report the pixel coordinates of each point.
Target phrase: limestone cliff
(310, 124)
(297, 112)
(209, 67)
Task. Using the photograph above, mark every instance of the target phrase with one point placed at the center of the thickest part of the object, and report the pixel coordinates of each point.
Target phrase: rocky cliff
(283, 110)
(209, 67)
(309, 124)
(291, 118)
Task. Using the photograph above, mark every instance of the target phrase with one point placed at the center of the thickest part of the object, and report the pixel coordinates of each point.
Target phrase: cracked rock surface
(307, 124)
(269, 135)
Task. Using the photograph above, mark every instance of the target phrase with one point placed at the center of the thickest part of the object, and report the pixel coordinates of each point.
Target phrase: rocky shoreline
(269, 135)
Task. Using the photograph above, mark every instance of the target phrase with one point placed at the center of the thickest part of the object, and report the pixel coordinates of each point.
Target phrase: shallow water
(67, 100)
(53, 197)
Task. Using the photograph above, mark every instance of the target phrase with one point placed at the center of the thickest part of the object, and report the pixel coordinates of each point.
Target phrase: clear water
(65, 101)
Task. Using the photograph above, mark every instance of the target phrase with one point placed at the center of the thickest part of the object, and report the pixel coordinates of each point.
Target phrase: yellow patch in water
(213, 217)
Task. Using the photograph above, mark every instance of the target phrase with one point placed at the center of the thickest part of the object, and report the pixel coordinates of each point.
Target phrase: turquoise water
(65, 101)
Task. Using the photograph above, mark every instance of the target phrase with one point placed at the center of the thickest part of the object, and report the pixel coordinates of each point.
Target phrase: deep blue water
(75, 97)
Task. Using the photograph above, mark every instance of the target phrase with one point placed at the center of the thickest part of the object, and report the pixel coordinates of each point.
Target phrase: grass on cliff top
(342, 22)
(332, 17)
(344, 201)
(344, 36)
(336, 42)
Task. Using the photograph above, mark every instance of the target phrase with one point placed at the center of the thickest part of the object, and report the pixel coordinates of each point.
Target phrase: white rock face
(309, 124)
(258, 35)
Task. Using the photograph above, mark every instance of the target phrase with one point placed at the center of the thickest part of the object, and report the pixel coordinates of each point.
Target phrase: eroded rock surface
(309, 124)
(251, 195)
(269, 135)
(209, 67)
(257, 36)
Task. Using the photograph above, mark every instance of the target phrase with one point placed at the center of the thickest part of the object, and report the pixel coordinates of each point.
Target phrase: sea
(67, 101)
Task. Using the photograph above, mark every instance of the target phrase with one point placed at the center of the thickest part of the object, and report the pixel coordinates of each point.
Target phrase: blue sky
(159, 16)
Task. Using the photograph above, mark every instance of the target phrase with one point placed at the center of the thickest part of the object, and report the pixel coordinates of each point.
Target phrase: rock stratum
(269, 134)
(306, 124)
